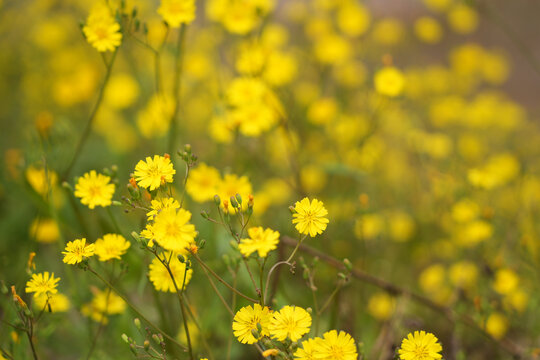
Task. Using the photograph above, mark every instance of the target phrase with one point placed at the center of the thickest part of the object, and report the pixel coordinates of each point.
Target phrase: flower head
(101, 29)
(160, 277)
(161, 204)
(111, 246)
(260, 240)
(173, 231)
(310, 217)
(42, 284)
(77, 250)
(55, 302)
(103, 303)
(290, 322)
(177, 12)
(203, 183)
(420, 346)
(246, 320)
(307, 351)
(94, 189)
(336, 346)
(389, 81)
(153, 173)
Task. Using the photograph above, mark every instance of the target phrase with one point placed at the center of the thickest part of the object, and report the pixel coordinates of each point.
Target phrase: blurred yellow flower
(77, 250)
(153, 173)
(506, 281)
(111, 246)
(428, 30)
(177, 12)
(57, 302)
(463, 19)
(389, 81)
(307, 351)
(232, 185)
(103, 303)
(381, 306)
(353, 18)
(260, 240)
(160, 277)
(94, 189)
(310, 217)
(40, 179)
(45, 230)
(497, 325)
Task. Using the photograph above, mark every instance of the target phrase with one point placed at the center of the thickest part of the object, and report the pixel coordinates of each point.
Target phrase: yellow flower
(42, 284)
(40, 179)
(310, 218)
(94, 189)
(506, 281)
(381, 306)
(111, 246)
(57, 302)
(232, 185)
(173, 231)
(101, 30)
(389, 81)
(45, 230)
(307, 351)
(77, 250)
(428, 30)
(203, 183)
(420, 346)
(290, 322)
(103, 303)
(246, 320)
(153, 173)
(497, 325)
(260, 240)
(177, 12)
(336, 346)
(160, 277)
(161, 204)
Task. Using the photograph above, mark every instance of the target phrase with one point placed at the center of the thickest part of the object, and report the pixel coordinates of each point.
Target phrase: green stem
(217, 292)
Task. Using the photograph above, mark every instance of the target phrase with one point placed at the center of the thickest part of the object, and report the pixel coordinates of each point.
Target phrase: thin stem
(101, 325)
(295, 249)
(329, 300)
(29, 334)
(217, 292)
(91, 118)
(113, 220)
(137, 311)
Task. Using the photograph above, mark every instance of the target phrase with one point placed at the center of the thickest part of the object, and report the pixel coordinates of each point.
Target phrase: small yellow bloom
(101, 29)
(203, 183)
(246, 320)
(260, 240)
(160, 277)
(177, 12)
(111, 246)
(42, 284)
(161, 204)
(420, 346)
(77, 250)
(56, 302)
(172, 230)
(307, 351)
(291, 322)
(336, 346)
(389, 81)
(153, 173)
(94, 189)
(44, 230)
(310, 217)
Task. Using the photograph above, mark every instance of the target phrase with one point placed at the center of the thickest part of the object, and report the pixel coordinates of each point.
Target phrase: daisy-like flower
(111, 246)
(77, 250)
(307, 351)
(173, 231)
(94, 189)
(177, 12)
(335, 346)
(42, 284)
(101, 29)
(420, 346)
(246, 320)
(153, 173)
(310, 217)
(161, 204)
(160, 277)
(260, 240)
(290, 322)
(203, 183)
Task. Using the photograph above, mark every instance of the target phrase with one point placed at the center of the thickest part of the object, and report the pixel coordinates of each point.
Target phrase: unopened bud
(146, 345)
(67, 185)
(292, 210)
(234, 203)
(217, 200)
(204, 214)
(239, 198)
(255, 334)
(125, 338)
(348, 264)
(133, 349)
(156, 338)
(137, 323)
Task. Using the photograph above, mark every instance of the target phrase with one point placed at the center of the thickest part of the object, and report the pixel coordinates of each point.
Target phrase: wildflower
(55, 302)
(94, 189)
(40, 179)
(496, 325)
(160, 277)
(101, 30)
(246, 320)
(261, 241)
(203, 183)
(381, 306)
(420, 346)
(428, 30)
(506, 281)
(161, 204)
(42, 284)
(290, 322)
(111, 246)
(103, 303)
(153, 173)
(336, 346)
(44, 230)
(389, 81)
(177, 12)
(307, 351)
(232, 185)
(77, 250)
(173, 231)
(310, 217)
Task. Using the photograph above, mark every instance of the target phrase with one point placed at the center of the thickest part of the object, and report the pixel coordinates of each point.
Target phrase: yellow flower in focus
(260, 240)
(173, 231)
(290, 322)
(246, 320)
(101, 30)
(420, 346)
(77, 250)
(160, 277)
(310, 217)
(506, 281)
(336, 346)
(389, 81)
(381, 306)
(307, 351)
(45, 230)
(497, 325)
(428, 30)
(111, 246)
(94, 189)
(42, 284)
(463, 19)
(177, 12)
(57, 302)
(153, 173)
(161, 204)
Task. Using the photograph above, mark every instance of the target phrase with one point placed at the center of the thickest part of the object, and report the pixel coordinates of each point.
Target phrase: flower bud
(234, 203)
(137, 323)
(125, 338)
(239, 198)
(217, 200)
